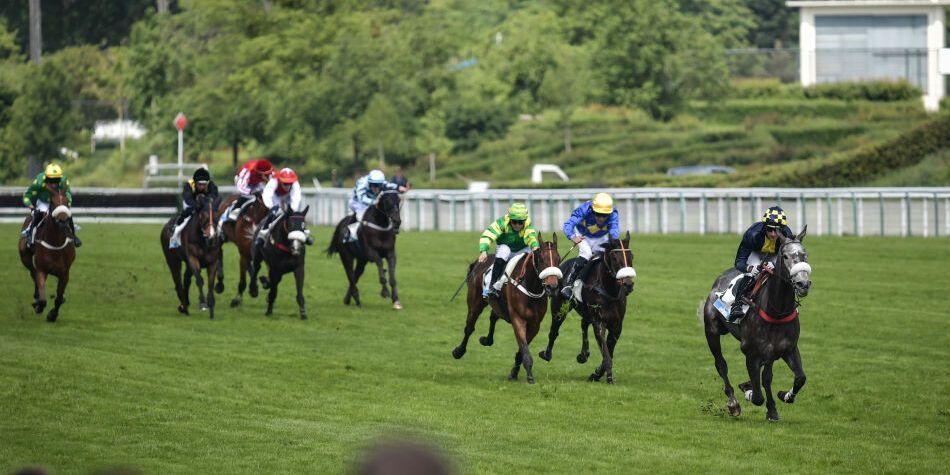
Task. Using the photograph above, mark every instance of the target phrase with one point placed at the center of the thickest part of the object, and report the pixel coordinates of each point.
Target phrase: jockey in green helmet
(513, 235)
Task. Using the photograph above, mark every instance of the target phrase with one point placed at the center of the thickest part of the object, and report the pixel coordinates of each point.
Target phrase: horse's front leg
(613, 336)
(298, 279)
(771, 414)
(195, 267)
(600, 333)
(384, 293)
(254, 266)
(794, 361)
(274, 278)
(39, 303)
(219, 287)
(357, 273)
(60, 297)
(557, 319)
(212, 275)
(585, 345)
(242, 282)
(753, 387)
(391, 264)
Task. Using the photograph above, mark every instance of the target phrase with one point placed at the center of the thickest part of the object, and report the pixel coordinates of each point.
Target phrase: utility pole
(163, 6)
(266, 5)
(36, 33)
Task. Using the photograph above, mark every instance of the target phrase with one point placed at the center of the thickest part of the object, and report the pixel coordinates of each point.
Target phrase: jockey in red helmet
(282, 191)
(250, 180)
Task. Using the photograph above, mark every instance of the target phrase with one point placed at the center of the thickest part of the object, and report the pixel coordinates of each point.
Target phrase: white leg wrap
(748, 395)
(790, 394)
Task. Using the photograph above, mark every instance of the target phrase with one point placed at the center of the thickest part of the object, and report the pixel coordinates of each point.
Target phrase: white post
(924, 217)
(820, 220)
(840, 218)
(181, 153)
(719, 217)
(861, 217)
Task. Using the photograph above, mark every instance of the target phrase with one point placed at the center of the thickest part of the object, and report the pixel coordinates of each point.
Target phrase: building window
(865, 47)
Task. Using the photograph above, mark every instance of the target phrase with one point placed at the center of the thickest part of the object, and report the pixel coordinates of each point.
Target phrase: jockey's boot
(497, 270)
(351, 230)
(568, 290)
(29, 232)
(72, 226)
(736, 314)
(175, 240)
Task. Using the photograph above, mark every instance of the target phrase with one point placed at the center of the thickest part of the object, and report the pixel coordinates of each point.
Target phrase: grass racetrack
(123, 380)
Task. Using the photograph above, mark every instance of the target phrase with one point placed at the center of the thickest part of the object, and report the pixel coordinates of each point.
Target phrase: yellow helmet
(53, 171)
(603, 203)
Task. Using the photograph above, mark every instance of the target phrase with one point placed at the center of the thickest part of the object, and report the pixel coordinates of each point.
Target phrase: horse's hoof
(746, 386)
(384, 294)
(235, 302)
(458, 352)
(530, 379)
(202, 306)
(545, 355)
(39, 306)
(771, 416)
(582, 358)
(268, 313)
(485, 341)
(52, 316)
(610, 380)
(252, 291)
(303, 315)
(512, 377)
(593, 377)
(219, 288)
(397, 305)
(786, 398)
(735, 410)
(264, 282)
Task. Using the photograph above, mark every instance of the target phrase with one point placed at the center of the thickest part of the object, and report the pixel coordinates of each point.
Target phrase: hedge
(883, 91)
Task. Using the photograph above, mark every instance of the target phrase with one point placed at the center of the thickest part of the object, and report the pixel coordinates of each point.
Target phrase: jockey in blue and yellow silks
(590, 226)
(756, 250)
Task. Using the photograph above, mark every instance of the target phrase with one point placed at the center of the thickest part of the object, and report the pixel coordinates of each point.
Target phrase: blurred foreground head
(403, 458)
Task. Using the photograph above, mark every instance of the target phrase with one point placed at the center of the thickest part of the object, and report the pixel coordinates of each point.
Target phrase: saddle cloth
(724, 303)
(486, 278)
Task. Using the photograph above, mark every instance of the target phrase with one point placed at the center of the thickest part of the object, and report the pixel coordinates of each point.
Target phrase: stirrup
(567, 291)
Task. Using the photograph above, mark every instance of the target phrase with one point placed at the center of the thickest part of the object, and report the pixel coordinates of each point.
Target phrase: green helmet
(518, 212)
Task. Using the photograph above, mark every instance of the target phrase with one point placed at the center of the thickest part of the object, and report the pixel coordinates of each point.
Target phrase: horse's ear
(554, 239)
(801, 235)
(305, 210)
(626, 239)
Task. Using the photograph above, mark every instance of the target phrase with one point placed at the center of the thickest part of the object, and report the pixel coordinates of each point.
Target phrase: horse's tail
(337, 238)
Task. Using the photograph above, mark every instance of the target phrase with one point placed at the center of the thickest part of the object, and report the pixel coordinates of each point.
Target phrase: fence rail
(828, 211)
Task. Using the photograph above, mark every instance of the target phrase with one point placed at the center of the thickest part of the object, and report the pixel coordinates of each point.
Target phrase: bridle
(385, 212)
(541, 273)
(53, 206)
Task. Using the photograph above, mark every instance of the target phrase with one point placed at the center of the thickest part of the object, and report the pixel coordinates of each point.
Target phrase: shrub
(764, 88)
(881, 91)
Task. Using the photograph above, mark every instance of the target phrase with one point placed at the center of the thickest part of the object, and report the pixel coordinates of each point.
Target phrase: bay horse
(523, 303)
(284, 251)
(53, 251)
(768, 331)
(376, 241)
(200, 249)
(241, 233)
(603, 304)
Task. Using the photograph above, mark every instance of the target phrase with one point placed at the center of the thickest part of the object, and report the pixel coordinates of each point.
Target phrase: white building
(851, 40)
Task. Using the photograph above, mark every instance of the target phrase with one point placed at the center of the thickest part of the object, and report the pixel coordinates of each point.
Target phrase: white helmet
(376, 177)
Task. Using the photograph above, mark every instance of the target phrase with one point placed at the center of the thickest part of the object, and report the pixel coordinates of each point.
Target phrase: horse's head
(389, 202)
(618, 259)
(296, 224)
(547, 259)
(58, 203)
(794, 261)
(205, 217)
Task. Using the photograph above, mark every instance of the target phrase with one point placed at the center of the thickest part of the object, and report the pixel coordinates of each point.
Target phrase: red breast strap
(773, 320)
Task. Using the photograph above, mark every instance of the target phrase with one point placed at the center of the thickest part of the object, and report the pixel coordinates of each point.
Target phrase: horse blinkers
(796, 264)
(549, 258)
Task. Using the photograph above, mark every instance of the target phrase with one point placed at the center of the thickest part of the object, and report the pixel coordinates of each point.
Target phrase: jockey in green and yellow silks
(512, 235)
(36, 198)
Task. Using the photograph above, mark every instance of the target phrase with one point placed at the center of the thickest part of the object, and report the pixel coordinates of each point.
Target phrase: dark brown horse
(284, 251)
(376, 240)
(53, 251)
(200, 249)
(603, 304)
(523, 303)
(241, 233)
(769, 330)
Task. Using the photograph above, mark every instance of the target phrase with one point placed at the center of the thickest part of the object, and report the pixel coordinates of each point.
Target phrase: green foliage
(764, 88)
(776, 25)
(883, 91)
(648, 55)
(42, 119)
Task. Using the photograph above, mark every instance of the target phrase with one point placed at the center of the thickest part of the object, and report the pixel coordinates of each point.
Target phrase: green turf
(123, 380)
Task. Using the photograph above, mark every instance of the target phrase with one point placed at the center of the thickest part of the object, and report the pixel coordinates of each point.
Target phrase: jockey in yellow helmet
(590, 226)
(36, 198)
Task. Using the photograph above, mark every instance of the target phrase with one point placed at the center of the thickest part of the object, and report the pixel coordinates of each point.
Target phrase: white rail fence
(828, 211)
(921, 212)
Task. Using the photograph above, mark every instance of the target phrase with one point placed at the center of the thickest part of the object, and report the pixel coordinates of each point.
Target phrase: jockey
(512, 232)
(281, 189)
(757, 251)
(365, 192)
(249, 181)
(36, 198)
(200, 184)
(590, 226)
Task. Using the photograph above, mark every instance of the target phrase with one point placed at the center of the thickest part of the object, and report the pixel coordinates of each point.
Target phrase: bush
(827, 134)
(764, 88)
(881, 91)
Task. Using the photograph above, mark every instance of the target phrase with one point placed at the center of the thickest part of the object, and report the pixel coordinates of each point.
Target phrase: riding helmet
(775, 217)
(53, 171)
(518, 212)
(603, 203)
(201, 175)
(286, 175)
(376, 177)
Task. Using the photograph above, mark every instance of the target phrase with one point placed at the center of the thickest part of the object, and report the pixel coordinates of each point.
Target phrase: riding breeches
(504, 253)
(757, 258)
(592, 246)
(358, 208)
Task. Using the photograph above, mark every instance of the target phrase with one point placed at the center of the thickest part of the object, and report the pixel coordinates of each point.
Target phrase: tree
(776, 25)
(565, 88)
(380, 125)
(42, 120)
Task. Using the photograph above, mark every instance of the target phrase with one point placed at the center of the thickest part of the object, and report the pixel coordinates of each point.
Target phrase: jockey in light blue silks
(365, 192)
(590, 226)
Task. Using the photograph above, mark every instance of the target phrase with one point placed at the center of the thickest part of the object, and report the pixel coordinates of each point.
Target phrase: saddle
(726, 297)
(582, 276)
(509, 268)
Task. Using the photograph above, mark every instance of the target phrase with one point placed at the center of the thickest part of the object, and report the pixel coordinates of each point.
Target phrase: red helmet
(263, 167)
(286, 175)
